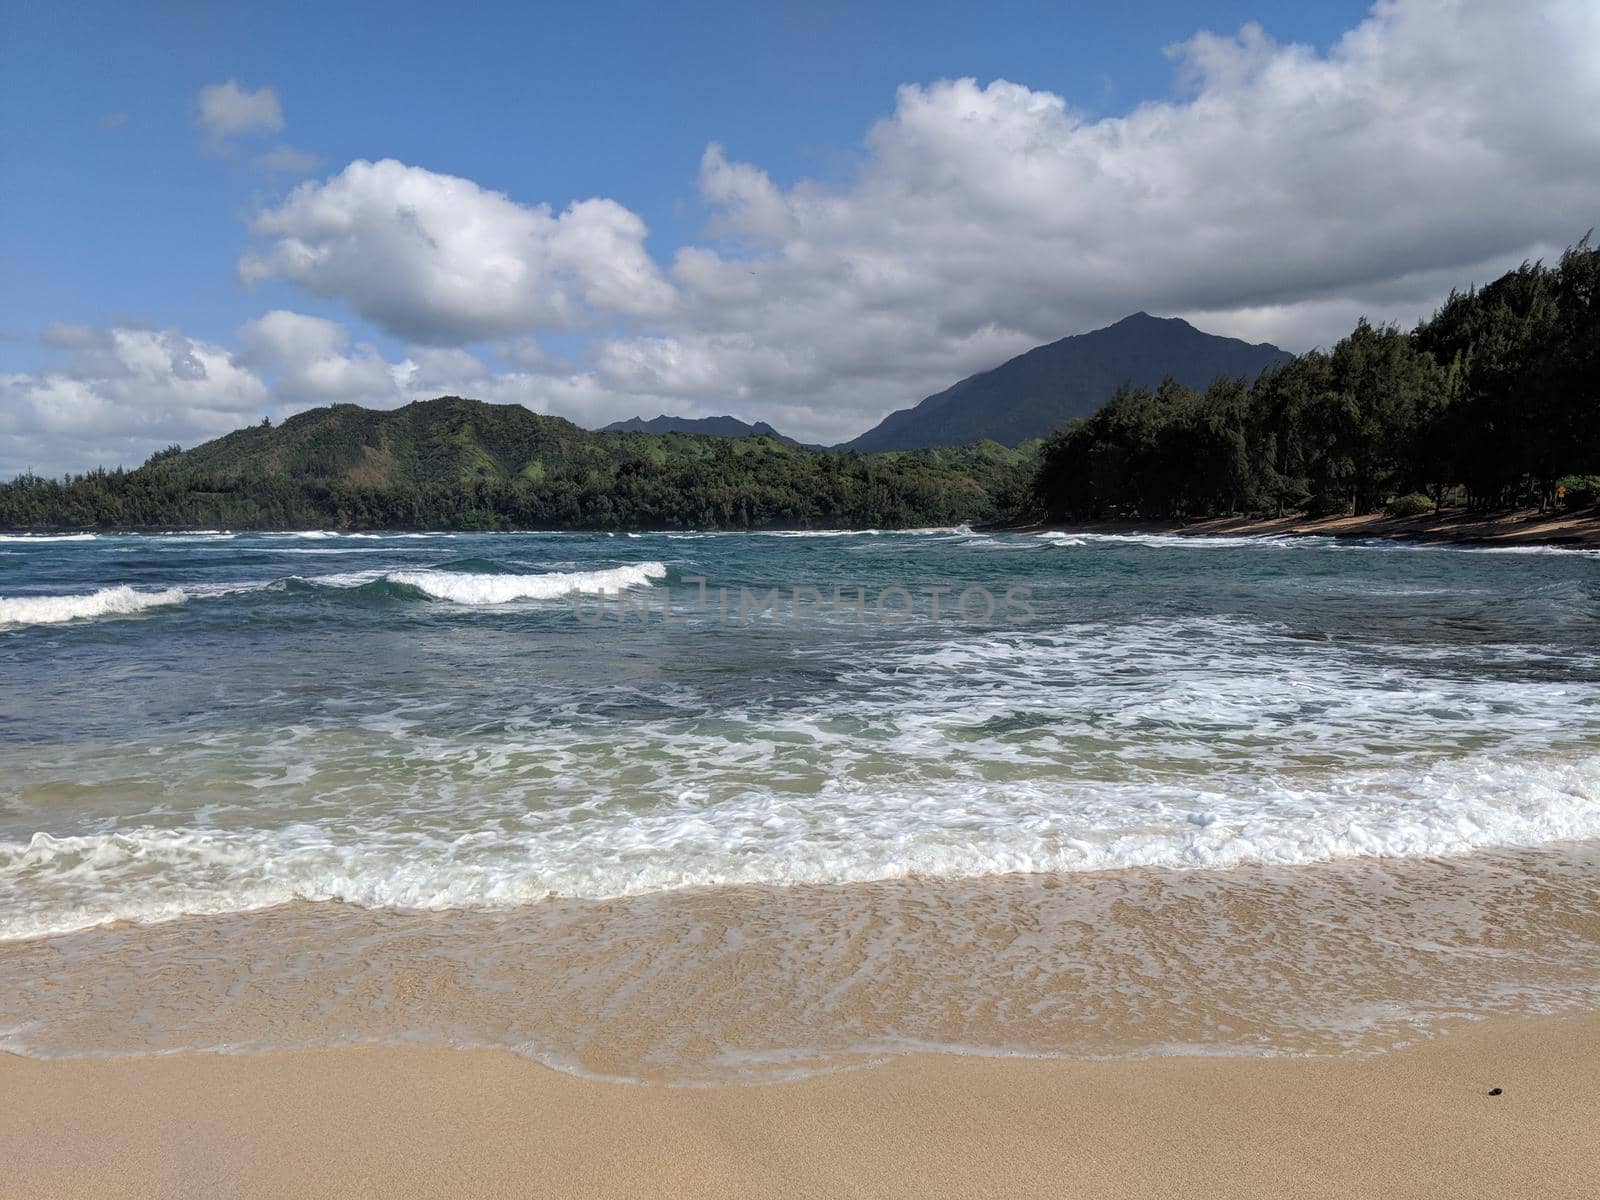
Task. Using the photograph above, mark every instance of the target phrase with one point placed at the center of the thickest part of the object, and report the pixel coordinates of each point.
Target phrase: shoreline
(1410, 1122)
(1460, 527)
(1456, 526)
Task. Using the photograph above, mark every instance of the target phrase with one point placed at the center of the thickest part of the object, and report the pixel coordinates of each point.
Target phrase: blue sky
(122, 213)
(111, 218)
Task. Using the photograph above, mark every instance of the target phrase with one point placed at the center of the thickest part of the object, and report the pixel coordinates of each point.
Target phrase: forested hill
(1492, 402)
(1048, 386)
(432, 442)
(463, 464)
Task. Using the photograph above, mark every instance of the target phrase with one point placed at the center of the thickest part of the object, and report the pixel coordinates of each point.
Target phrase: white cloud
(113, 395)
(308, 362)
(1283, 194)
(434, 258)
(228, 110)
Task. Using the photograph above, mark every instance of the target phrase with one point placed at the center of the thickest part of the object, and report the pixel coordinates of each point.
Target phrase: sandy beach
(1418, 1121)
(1192, 887)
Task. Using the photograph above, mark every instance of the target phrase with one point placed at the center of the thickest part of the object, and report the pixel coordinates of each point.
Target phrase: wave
(464, 588)
(1189, 541)
(319, 535)
(1294, 541)
(487, 583)
(47, 537)
(107, 602)
(816, 533)
(592, 850)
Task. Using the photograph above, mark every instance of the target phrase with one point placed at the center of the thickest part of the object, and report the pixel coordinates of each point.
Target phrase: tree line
(1492, 402)
(732, 488)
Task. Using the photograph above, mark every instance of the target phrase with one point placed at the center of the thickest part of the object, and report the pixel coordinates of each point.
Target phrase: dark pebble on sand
(1494, 1091)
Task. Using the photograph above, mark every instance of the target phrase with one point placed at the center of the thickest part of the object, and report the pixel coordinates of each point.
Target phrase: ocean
(695, 807)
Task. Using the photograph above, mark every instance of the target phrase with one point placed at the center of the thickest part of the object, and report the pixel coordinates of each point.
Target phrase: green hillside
(446, 441)
(463, 464)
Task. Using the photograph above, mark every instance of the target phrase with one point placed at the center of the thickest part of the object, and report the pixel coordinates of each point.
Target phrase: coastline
(1412, 1122)
(1394, 835)
(1457, 526)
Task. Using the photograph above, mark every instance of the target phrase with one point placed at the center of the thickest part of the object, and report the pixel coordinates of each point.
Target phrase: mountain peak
(1044, 388)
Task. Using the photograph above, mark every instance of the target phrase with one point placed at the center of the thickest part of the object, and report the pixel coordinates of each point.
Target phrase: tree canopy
(1492, 401)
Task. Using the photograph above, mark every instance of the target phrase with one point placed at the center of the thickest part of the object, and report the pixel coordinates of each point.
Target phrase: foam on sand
(530, 842)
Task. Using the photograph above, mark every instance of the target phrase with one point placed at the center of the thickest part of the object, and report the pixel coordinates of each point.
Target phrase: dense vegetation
(461, 464)
(724, 426)
(1493, 402)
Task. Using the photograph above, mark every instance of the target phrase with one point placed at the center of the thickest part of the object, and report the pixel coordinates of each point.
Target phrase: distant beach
(1464, 527)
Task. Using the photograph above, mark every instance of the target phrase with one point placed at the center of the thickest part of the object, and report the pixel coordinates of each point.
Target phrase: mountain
(703, 426)
(446, 441)
(1048, 386)
(453, 463)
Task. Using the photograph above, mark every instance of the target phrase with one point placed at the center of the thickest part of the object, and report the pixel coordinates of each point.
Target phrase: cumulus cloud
(309, 362)
(1279, 194)
(437, 259)
(1282, 194)
(228, 110)
(112, 395)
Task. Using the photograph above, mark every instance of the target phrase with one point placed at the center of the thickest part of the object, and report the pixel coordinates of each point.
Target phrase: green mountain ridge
(458, 463)
(449, 440)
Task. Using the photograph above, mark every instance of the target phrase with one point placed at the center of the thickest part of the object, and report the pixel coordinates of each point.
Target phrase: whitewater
(210, 727)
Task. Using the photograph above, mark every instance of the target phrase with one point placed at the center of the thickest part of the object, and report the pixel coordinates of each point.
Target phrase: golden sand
(398, 1122)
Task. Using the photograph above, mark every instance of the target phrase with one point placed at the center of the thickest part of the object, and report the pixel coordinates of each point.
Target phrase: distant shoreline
(1458, 526)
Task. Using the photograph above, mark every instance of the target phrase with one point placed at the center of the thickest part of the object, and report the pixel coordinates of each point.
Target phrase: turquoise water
(209, 723)
(609, 802)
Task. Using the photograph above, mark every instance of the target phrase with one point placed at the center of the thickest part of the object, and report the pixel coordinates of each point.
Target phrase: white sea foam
(1187, 541)
(1289, 541)
(458, 587)
(47, 537)
(842, 835)
(464, 588)
(107, 602)
(818, 533)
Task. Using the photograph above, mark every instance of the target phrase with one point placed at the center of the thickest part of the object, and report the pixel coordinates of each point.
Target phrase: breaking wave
(107, 602)
(464, 588)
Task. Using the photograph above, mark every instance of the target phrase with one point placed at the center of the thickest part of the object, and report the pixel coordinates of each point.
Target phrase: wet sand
(418, 1122)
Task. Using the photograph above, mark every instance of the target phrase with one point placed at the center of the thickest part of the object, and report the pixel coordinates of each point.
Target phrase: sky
(810, 214)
